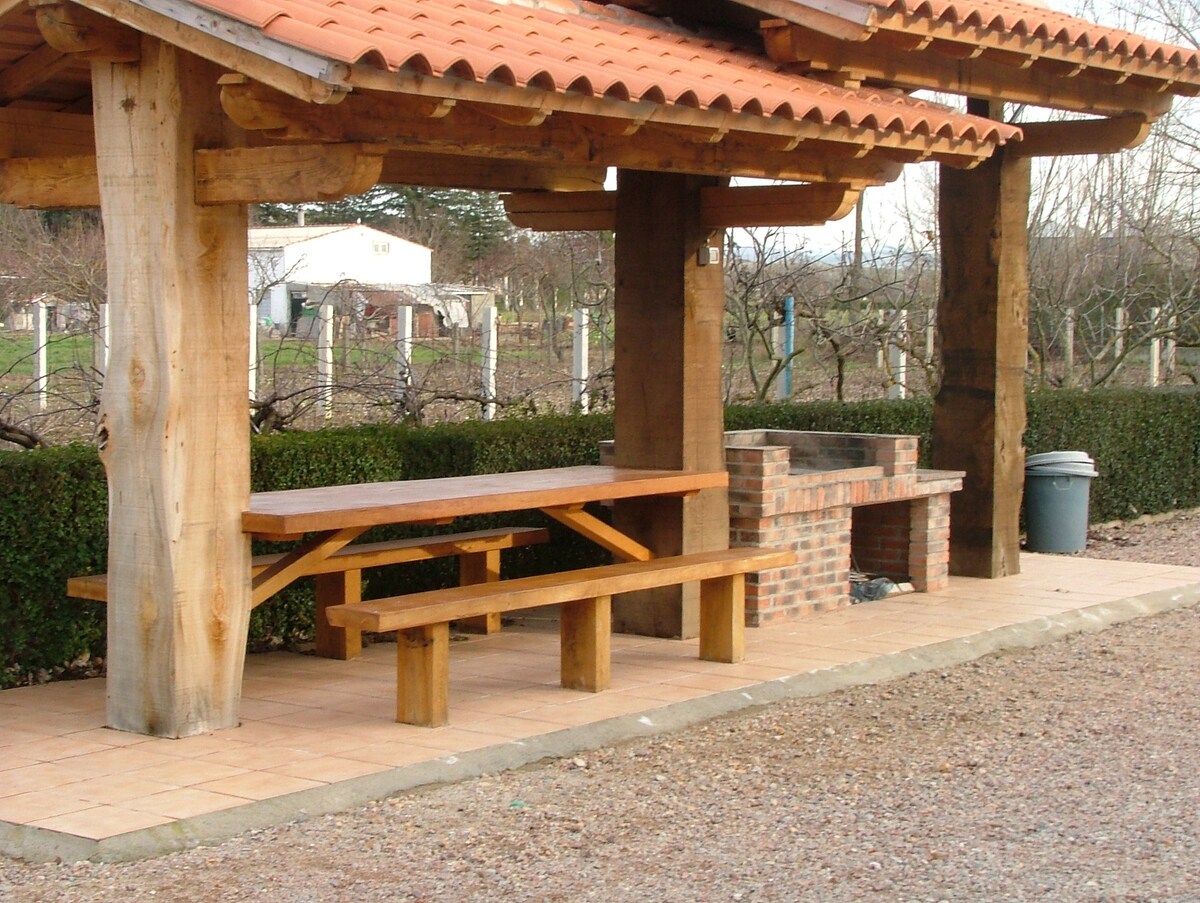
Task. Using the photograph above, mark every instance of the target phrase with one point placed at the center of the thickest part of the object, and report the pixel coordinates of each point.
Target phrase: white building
(292, 268)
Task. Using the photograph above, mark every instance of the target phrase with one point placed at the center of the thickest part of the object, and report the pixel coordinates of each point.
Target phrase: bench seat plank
(418, 609)
(421, 620)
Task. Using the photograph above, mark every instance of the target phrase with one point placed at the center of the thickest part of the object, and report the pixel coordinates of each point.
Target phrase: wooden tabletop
(296, 511)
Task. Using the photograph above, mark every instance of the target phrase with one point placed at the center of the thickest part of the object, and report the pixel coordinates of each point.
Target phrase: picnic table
(337, 515)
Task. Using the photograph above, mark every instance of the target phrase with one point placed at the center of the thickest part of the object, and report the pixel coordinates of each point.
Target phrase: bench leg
(423, 675)
(723, 619)
(479, 567)
(586, 644)
(337, 589)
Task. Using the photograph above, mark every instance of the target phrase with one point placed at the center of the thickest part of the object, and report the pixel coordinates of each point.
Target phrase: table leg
(339, 588)
(723, 619)
(479, 567)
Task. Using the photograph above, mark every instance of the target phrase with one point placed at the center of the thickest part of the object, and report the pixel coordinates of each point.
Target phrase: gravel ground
(1067, 772)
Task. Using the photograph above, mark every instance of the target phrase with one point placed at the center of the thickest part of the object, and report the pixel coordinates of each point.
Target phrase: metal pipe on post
(1069, 348)
(787, 344)
(579, 362)
(489, 363)
(1155, 348)
(325, 359)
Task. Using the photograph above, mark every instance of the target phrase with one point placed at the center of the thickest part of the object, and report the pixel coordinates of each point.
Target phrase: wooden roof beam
(720, 207)
(30, 71)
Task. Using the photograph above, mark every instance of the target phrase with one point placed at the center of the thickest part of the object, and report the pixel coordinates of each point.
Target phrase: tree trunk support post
(983, 315)
(174, 422)
(669, 307)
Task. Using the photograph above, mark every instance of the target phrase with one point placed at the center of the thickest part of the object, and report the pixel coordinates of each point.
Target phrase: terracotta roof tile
(1029, 20)
(580, 47)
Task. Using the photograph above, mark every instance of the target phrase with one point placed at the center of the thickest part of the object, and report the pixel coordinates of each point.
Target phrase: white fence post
(41, 352)
(898, 355)
(579, 362)
(489, 363)
(881, 347)
(404, 347)
(1155, 348)
(1170, 345)
(325, 359)
(100, 341)
(1119, 326)
(253, 351)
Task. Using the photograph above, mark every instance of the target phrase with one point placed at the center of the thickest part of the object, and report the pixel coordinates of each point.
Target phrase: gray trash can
(1057, 490)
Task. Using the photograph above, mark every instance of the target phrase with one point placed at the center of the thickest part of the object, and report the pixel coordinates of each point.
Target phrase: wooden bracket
(599, 532)
(70, 28)
(1090, 136)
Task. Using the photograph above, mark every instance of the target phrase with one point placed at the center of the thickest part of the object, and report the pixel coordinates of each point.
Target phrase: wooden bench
(339, 577)
(422, 620)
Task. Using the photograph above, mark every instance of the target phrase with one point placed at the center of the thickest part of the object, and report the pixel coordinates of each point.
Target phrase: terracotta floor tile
(193, 747)
(185, 802)
(328, 769)
(43, 776)
(258, 785)
(30, 807)
(101, 821)
(257, 758)
(187, 772)
(51, 749)
(115, 789)
(392, 754)
(121, 760)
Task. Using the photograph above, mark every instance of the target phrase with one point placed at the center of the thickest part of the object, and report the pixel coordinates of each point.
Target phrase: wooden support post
(325, 315)
(723, 619)
(585, 632)
(173, 427)
(338, 588)
(423, 675)
(670, 308)
(479, 567)
(979, 412)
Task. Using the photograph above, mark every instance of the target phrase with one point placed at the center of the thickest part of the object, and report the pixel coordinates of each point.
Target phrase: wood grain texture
(671, 310)
(979, 411)
(173, 415)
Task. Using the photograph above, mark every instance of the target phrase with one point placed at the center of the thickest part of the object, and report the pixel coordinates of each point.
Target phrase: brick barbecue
(843, 500)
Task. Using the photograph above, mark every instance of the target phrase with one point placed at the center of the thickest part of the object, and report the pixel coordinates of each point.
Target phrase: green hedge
(53, 502)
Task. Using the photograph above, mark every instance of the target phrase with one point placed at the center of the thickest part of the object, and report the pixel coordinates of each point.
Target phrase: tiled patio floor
(312, 724)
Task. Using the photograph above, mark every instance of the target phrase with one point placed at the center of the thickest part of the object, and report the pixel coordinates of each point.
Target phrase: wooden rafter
(71, 29)
(431, 126)
(720, 207)
(30, 71)
(1042, 82)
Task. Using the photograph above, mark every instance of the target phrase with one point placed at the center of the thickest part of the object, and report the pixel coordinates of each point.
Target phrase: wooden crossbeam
(720, 207)
(239, 176)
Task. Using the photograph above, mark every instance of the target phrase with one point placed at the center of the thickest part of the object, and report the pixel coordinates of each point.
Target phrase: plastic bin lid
(1058, 457)
(1068, 469)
